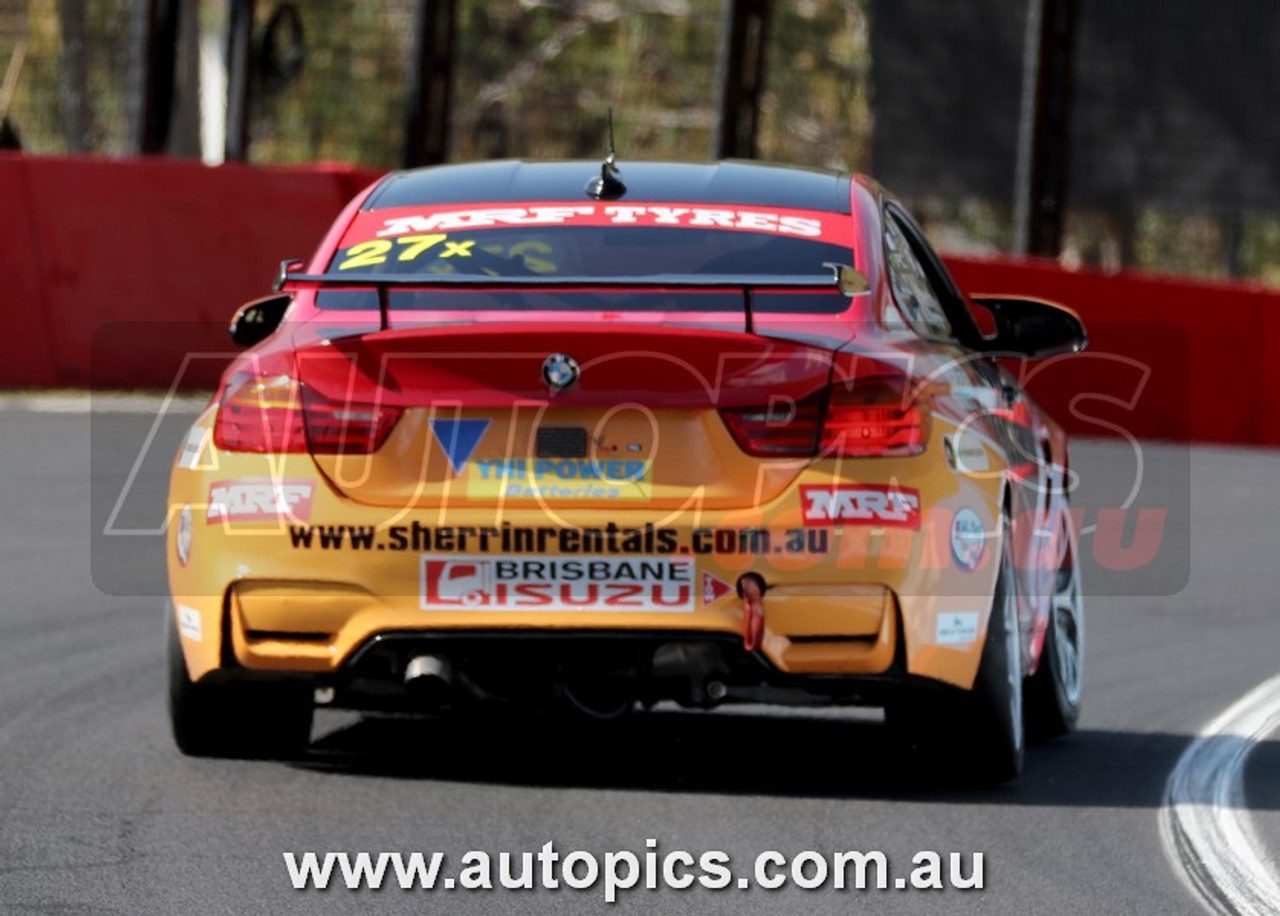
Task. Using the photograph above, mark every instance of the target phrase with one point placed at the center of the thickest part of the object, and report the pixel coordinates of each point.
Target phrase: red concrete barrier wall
(28, 354)
(115, 270)
(1191, 355)
(124, 266)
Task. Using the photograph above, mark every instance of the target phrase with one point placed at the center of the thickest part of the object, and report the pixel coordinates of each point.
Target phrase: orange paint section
(843, 610)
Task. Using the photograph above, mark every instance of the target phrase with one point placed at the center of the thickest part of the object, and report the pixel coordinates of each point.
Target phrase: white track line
(84, 402)
(1204, 823)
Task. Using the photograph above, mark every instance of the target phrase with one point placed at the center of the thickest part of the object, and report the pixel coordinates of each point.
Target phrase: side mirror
(1031, 327)
(255, 321)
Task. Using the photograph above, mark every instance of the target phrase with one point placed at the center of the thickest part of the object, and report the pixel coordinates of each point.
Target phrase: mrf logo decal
(592, 583)
(259, 499)
(861, 504)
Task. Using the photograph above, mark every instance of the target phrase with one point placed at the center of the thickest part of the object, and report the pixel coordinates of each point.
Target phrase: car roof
(730, 182)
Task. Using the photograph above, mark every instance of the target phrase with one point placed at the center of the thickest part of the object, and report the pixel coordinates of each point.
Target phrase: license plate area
(561, 442)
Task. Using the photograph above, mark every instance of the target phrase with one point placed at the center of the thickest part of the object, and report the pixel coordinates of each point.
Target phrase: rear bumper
(842, 601)
(321, 627)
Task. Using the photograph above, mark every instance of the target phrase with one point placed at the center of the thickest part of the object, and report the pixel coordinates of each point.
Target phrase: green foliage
(347, 101)
(535, 79)
(817, 105)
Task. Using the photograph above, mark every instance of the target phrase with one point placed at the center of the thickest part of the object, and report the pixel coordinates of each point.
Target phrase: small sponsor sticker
(957, 628)
(588, 583)
(189, 623)
(258, 499)
(182, 536)
(968, 539)
(861, 504)
(713, 589)
(458, 439)
(193, 447)
(559, 478)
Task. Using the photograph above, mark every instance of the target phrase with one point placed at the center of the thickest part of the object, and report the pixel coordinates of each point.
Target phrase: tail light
(277, 415)
(868, 418)
(346, 427)
(784, 429)
(259, 414)
(871, 418)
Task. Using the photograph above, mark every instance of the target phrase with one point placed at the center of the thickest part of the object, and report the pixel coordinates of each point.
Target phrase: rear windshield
(588, 251)
(578, 241)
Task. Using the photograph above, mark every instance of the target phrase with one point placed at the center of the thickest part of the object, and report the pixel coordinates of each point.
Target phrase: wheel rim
(1067, 621)
(1013, 654)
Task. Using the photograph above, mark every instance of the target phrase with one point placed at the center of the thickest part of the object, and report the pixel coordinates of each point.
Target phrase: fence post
(741, 78)
(426, 128)
(1044, 130)
(156, 43)
(239, 61)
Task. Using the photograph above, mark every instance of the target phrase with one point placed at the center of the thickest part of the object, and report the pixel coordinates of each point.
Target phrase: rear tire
(243, 720)
(1054, 692)
(995, 703)
(979, 733)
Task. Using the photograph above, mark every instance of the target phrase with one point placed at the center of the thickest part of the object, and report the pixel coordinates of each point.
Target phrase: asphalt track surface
(100, 814)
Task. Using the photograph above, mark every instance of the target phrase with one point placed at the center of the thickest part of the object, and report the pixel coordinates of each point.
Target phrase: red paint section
(495, 366)
(123, 273)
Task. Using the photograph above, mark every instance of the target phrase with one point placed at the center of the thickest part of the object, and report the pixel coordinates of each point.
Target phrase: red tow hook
(751, 590)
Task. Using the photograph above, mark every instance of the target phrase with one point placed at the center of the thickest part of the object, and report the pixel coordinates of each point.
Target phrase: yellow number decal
(417, 244)
(537, 265)
(460, 249)
(366, 254)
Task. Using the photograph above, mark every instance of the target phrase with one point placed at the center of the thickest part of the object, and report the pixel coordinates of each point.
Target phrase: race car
(570, 439)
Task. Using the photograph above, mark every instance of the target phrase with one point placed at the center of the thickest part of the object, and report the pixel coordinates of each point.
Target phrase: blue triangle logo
(459, 439)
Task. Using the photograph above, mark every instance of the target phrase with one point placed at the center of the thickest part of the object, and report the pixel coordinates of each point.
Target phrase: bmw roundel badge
(559, 371)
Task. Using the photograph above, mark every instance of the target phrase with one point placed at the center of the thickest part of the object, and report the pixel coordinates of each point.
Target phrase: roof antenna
(608, 186)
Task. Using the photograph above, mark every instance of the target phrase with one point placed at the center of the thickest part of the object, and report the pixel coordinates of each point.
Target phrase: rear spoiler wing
(843, 278)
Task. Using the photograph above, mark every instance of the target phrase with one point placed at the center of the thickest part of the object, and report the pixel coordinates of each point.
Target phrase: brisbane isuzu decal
(589, 583)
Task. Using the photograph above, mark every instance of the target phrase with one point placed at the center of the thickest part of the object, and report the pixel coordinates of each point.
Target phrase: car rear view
(519, 448)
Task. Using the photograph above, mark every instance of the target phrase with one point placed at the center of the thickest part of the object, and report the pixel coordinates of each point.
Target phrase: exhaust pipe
(429, 677)
(714, 690)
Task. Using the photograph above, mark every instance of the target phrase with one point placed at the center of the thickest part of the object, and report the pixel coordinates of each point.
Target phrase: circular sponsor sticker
(182, 538)
(968, 539)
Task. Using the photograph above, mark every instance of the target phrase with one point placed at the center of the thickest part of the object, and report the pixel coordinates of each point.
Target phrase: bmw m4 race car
(545, 437)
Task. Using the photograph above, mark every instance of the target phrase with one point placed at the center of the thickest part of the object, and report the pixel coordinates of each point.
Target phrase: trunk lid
(639, 428)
